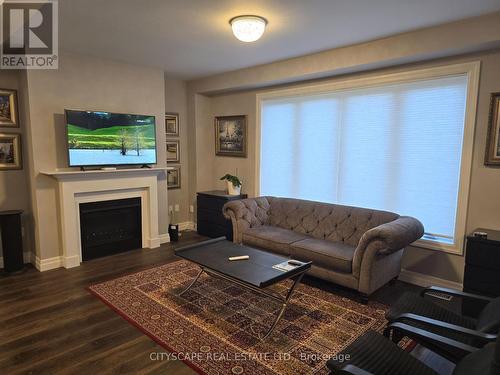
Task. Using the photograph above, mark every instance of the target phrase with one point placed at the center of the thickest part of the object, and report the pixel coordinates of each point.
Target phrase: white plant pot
(233, 190)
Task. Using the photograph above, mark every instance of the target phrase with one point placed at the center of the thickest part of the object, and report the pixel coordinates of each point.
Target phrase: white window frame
(470, 69)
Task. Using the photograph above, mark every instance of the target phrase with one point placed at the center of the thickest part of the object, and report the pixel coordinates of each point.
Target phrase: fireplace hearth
(110, 227)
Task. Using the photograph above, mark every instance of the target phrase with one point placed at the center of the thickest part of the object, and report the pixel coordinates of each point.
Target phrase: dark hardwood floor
(50, 323)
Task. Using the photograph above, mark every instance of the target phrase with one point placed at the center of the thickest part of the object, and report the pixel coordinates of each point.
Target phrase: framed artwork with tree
(231, 136)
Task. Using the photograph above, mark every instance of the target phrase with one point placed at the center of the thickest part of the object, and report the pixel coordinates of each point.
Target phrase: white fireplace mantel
(66, 174)
(76, 187)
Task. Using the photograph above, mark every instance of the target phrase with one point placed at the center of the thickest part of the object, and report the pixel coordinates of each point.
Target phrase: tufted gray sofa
(355, 247)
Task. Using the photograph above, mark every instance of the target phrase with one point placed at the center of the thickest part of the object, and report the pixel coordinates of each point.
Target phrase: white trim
(258, 135)
(187, 225)
(153, 243)
(76, 187)
(72, 174)
(471, 69)
(49, 263)
(423, 280)
(70, 261)
(374, 81)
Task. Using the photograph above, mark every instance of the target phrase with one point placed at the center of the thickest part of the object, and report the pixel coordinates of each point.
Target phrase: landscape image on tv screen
(105, 138)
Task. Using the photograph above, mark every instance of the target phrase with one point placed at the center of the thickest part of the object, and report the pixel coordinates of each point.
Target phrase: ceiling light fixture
(248, 28)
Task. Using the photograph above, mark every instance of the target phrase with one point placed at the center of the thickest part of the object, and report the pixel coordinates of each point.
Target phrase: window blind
(394, 147)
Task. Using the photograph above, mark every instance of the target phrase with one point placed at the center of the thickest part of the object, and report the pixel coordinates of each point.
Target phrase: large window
(396, 146)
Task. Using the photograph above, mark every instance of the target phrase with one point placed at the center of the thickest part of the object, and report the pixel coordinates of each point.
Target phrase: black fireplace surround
(110, 227)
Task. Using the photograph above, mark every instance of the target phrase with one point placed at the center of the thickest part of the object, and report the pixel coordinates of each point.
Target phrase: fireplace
(110, 227)
(76, 188)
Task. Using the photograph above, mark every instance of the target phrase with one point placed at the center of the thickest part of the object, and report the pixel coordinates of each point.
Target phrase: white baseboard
(49, 263)
(164, 238)
(70, 262)
(424, 280)
(153, 243)
(187, 225)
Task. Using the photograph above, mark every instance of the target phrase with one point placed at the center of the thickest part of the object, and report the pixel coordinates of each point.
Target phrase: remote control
(241, 257)
(294, 262)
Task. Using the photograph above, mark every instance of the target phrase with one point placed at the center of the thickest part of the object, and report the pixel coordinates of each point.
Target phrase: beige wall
(204, 143)
(200, 160)
(176, 101)
(484, 204)
(237, 104)
(14, 190)
(83, 83)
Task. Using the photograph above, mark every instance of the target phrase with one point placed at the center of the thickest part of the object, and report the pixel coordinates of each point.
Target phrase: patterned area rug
(215, 326)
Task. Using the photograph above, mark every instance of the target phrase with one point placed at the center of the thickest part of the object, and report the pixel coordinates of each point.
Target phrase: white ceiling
(192, 38)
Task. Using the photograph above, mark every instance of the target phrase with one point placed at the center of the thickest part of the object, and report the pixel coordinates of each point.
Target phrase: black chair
(417, 311)
(372, 353)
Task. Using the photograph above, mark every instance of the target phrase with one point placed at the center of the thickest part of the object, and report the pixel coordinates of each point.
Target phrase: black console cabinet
(482, 267)
(210, 221)
(12, 240)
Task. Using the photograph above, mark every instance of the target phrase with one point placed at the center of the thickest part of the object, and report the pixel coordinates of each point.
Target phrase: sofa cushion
(327, 254)
(272, 238)
(325, 221)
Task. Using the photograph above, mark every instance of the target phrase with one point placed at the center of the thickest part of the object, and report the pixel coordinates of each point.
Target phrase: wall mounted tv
(109, 139)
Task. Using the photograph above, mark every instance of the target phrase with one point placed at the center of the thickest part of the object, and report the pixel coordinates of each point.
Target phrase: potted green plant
(233, 184)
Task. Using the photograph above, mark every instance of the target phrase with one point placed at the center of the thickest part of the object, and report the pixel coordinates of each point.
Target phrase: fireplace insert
(110, 227)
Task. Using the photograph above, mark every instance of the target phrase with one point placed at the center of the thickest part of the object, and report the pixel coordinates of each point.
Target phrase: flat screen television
(109, 139)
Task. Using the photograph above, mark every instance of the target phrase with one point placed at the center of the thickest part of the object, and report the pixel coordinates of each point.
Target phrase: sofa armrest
(245, 214)
(383, 240)
(396, 234)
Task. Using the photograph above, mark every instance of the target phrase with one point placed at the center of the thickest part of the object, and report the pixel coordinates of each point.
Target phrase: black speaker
(173, 232)
(12, 240)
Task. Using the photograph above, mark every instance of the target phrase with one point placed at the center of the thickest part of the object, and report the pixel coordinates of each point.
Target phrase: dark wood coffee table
(256, 273)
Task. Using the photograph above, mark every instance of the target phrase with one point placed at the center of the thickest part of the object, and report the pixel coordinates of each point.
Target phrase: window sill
(455, 248)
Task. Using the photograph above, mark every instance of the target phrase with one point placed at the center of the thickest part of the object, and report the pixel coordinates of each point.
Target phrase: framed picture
(8, 109)
(173, 151)
(172, 124)
(231, 136)
(493, 141)
(174, 177)
(10, 151)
